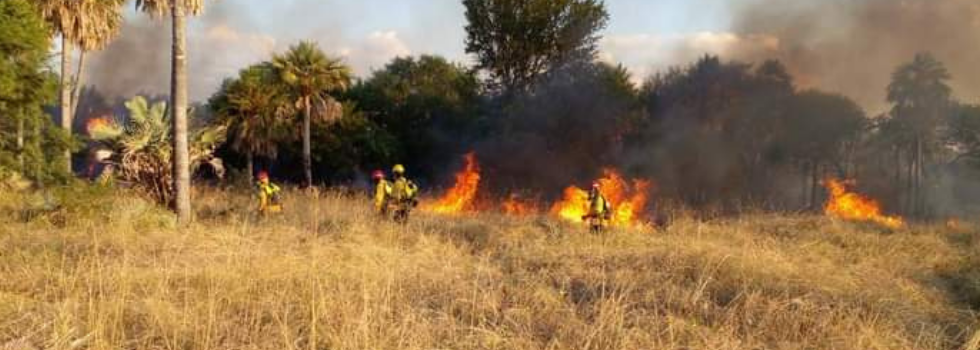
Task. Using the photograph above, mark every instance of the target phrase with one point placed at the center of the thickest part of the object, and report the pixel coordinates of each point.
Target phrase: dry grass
(108, 271)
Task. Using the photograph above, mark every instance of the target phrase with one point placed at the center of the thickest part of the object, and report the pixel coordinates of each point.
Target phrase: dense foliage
(139, 150)
(30, 144)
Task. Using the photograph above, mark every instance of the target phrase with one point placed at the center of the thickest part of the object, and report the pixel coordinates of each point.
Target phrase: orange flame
(852, 206)
(627, 199)
(573, 206)
(515, 206)
(461, 196)
(97, 123)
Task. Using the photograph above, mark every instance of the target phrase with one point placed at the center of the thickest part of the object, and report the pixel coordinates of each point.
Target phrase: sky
(846, 46)
(644, 35)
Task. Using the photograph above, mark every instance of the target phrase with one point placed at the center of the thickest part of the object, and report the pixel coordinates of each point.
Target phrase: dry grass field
(108, 271)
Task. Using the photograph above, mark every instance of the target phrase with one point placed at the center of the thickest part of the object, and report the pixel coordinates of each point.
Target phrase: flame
(461, 196)
(628, 199)
(94, 124)
(515, 206)
(852, 206)
(573, 206)
(953, 223)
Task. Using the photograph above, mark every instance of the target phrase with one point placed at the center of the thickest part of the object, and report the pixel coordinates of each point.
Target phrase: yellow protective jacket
(598, 206)
(382, 193)
(268, 194)
(403, 189)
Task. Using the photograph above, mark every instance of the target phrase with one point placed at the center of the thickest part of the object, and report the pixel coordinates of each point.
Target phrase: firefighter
(599, 211)
(382, 193)
(403, 193)
(269, 194)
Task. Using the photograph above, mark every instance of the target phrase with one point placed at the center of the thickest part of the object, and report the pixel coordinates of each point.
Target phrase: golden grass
(108, 271)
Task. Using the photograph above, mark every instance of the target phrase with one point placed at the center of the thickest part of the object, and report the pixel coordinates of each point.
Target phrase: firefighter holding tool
(600, 210)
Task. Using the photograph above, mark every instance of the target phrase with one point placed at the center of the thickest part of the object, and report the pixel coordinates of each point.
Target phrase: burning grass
(847, 205)
(628, 200)
(460, 197)
(99, 273)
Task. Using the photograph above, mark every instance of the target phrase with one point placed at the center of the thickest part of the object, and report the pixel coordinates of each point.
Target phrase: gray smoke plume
(231, 35)
(853, 46)
(138, 61)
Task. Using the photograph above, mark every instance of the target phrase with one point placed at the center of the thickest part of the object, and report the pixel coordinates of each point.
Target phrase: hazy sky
(848, 46)
(643, 34)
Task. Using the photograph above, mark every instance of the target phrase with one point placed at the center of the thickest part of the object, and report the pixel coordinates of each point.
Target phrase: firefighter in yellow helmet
(599, 211)
(403, 194)
(269, 195)
(382, 193)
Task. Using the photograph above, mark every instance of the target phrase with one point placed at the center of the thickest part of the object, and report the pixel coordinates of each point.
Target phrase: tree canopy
(516, 41)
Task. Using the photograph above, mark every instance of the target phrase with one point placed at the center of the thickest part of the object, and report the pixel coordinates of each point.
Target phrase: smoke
(138, 62)
(230, 35)
(135, 63)
(853, 46)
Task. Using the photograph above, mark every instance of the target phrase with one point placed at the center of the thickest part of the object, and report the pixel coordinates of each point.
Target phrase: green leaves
(143, 148)
(517, 41)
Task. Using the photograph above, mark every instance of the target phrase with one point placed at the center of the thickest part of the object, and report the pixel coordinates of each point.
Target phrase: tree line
(538, 108)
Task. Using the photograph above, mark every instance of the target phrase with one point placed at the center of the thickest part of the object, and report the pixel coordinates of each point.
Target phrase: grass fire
(847, 205)
(461, 196)
(628, 199)
(489, 174)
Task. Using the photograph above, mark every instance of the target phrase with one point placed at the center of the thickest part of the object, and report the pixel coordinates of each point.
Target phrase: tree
(515, 41)
(309, 77)
(818, 128)
(353, 145)
(920, 98)
(251, 109)
(178, 9)
(30, 144)
(141, 148)
(694, 136)
(426, 103)
(90, 25)
(963, 133)
(566, 130)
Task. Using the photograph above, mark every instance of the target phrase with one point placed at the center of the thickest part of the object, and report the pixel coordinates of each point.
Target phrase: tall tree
(963, 134)
(250, 109)
(178, 9)
(30, 144)
(88, 24)
(309, 77)
(921, 98)
(515, 41)
(817, 129)
(426, 102)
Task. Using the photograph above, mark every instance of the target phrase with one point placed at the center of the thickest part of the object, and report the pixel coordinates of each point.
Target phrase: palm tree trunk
(20, 144)
(307, 161)
(178, 95)
(66, 114)
(805, 185)
(919, 192)
(814, 169)
(36, 143)
(77, 84)
(250, 166)
(910, 184)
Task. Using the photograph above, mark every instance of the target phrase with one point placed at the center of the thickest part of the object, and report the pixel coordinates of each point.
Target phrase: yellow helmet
(398, 169)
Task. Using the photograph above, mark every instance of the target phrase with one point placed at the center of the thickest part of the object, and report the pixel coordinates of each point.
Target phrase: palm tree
(309, 77)
(89, 24)
(178, 94)
(141, 149)
(250, 109)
